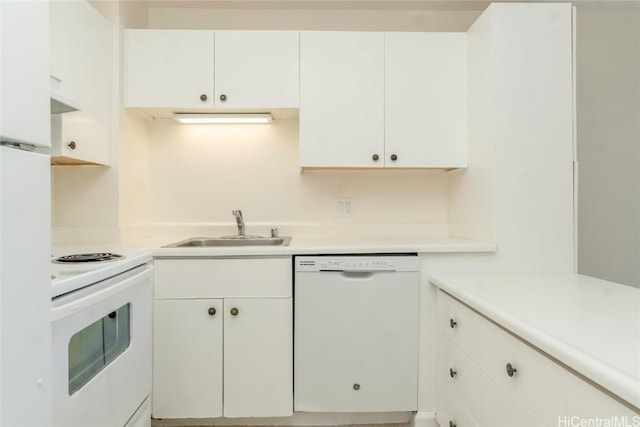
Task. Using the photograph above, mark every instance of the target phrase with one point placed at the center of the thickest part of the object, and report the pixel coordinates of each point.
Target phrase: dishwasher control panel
(357, 263)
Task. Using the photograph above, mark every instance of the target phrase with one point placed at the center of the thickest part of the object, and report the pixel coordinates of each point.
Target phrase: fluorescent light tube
(222, 118)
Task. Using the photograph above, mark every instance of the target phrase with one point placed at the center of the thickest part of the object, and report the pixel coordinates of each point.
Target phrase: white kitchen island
(572, 341)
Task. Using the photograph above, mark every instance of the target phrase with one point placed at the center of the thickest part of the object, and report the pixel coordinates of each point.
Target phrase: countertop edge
(602, 374)
(160, 252)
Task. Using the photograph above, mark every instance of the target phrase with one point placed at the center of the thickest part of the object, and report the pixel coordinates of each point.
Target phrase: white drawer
(451, 412)
(457, 374)
(500, 409)
(460, 324)
(223, 278)
(538, 383)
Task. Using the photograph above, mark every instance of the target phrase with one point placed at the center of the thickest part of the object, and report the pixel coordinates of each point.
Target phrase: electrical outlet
(344, 207)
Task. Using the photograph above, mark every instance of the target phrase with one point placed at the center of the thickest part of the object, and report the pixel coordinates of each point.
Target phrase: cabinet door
(257, 69)
(426, 100)
(187, 358)
(585, 401)
(258, 354)
(24, 72)
(341, 99)
(82, 57)
(169, 68)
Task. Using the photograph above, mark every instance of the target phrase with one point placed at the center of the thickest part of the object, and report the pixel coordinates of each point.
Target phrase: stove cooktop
(88, 257)
(72, 271)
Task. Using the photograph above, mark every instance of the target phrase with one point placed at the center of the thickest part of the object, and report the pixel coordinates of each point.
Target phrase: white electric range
(101, 331)
(71, 271)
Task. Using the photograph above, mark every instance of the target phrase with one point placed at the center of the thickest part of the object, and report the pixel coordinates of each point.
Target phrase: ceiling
(435, 5)
(325, 4)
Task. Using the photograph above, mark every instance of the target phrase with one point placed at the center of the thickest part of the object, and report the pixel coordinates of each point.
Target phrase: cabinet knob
(375, 157)
(112, 315)
(356, 387)
(511, 370)
(234, 311)
(212, 311)
(452, 373)
(451, 423)
(223, 97)
(452, 323)
(394, 157)
(72, 145)
(203, 97)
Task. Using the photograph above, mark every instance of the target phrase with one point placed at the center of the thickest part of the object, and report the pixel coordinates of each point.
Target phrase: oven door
(102, 351)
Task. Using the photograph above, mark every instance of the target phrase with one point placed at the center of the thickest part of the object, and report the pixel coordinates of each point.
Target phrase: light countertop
(306, 245)
(589, 324)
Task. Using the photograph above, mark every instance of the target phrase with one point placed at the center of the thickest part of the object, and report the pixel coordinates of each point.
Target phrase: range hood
(60, 103)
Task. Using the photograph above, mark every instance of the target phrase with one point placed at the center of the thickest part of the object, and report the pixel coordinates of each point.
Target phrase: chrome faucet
(240, 221)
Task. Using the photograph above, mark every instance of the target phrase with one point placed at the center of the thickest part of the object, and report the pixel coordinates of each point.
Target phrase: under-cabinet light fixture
(222, 118)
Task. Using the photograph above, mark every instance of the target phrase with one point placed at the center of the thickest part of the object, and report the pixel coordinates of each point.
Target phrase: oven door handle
(74, 305)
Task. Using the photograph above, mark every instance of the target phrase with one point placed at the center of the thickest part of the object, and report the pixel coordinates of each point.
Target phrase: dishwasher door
(356, 334)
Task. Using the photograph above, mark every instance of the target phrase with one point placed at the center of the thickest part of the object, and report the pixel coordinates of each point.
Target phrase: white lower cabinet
(486, 376)
(187, 358)
(222, 357)
(258, 355)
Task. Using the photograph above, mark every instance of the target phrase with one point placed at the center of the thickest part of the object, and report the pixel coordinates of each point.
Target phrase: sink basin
(205, 242)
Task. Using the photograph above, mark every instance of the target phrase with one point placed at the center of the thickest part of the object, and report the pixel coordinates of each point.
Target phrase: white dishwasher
(356, 333)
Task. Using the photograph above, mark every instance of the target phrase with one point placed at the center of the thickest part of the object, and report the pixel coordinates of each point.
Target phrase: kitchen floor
(156, 423)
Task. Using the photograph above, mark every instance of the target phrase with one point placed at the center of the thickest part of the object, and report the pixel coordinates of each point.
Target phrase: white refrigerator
(25, 215)
(25, 288)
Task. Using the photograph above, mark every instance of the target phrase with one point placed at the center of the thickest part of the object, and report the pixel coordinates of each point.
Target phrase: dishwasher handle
(357, 274)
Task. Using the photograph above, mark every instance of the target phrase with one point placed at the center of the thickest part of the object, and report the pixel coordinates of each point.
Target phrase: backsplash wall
(200, 173)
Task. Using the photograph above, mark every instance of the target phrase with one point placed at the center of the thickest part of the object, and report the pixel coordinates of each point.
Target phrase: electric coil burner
(75, 270)
(90, 257)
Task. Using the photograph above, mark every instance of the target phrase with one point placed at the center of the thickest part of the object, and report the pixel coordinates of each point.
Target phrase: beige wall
(608, 139)
(200, 173)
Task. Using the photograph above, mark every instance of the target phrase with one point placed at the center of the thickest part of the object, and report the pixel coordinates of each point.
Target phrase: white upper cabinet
(24, 72)
(257, 69)
(426, 100)
(179, 69)
(82, 57)
(169, 68)
(341, 99)
(383, 100)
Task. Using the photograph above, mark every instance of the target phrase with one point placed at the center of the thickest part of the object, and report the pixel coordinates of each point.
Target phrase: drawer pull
(511, 370)
(234, 311)
(212, 311)
(451, 423)
(452, 373)
(356, 387)
(452, 323)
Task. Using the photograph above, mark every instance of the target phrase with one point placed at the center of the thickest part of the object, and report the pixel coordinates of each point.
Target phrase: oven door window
(97, 345)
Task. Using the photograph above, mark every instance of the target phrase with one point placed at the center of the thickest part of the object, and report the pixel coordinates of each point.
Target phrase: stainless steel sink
(231, 241)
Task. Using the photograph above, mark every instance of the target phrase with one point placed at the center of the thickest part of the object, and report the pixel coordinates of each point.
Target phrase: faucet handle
(274, 232)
